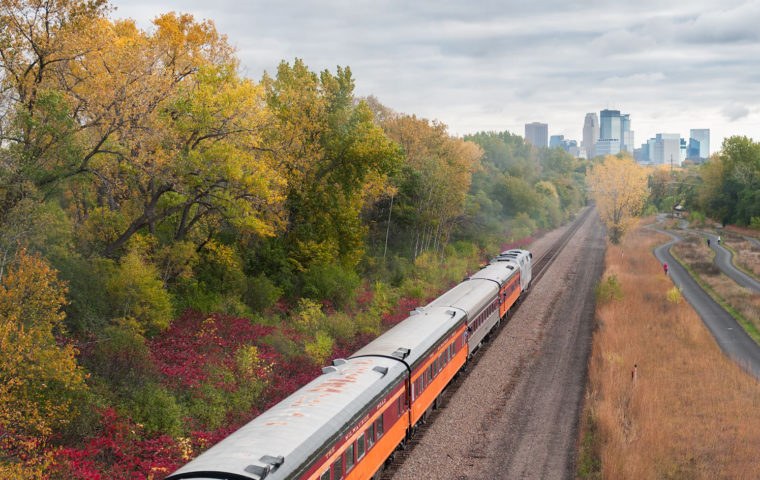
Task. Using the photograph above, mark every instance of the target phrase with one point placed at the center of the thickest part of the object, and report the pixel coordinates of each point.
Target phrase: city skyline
(488, 65)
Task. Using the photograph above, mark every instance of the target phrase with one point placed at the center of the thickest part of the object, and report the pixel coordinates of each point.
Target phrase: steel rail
(540, 266)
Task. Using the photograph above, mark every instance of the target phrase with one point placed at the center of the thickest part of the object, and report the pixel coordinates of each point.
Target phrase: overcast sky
(496, 65)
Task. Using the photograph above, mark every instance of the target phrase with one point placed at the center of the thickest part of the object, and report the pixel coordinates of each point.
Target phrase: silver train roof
(420, 332)
(471, 296)
(501, 271)
(314, 416)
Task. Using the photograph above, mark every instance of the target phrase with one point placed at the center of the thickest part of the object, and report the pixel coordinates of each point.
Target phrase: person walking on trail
(708, 242)
(718, 239)
(665, 267)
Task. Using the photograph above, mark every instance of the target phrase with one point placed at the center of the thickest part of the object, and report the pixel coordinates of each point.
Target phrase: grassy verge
(746, 255)
(741, 303)
(750, 328)
(690, 413)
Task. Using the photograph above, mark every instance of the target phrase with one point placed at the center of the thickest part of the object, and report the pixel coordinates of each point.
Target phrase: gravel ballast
(516, 413)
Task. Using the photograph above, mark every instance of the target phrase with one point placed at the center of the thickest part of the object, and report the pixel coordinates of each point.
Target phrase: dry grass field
(691, 413)
(695, 253)
(746, 253)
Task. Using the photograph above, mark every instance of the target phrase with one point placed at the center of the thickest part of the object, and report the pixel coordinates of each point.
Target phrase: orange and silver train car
(346, 423)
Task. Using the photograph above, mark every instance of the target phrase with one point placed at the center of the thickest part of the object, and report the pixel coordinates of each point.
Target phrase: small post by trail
(634, 373)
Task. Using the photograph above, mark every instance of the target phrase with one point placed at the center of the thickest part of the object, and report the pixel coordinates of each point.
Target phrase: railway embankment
(663, 400)
(515, 414)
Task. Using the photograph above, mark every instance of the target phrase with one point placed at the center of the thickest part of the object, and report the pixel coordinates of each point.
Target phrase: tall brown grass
(746, 253)
(691, 413)
(694, 252)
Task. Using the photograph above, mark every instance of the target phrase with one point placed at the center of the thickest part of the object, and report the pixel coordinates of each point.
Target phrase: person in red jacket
(665, 267)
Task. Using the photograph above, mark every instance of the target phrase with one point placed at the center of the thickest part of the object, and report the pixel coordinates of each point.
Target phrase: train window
(360, 447)
(326, 475)
(379, 425)
(399, 405)
(371, 435)
(338, 468)
(350, 457)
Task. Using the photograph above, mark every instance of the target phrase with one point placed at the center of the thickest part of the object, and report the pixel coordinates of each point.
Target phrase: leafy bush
(88, 309)
(522, 226)
(674, 295)
(331, 282)
(608, 290)
(220, 269)
(121, 357)
(319, 349)
(207, 405)
(340, 326)
(138, 294)
(261, 293)
(157, 410)
(308, 316)
(697, 218)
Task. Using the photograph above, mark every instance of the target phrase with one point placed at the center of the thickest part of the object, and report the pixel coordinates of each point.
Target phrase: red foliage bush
(195, 341)
(119, 452)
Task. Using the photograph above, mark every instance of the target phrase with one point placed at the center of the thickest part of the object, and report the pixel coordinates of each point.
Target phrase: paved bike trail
(724, 261)
(730, 336)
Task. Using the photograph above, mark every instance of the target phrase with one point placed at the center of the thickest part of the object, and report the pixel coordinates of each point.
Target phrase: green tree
(731, 182)
(334, 159)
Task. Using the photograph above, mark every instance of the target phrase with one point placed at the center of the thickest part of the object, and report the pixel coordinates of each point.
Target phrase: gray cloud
(494, 65)
(735, 112)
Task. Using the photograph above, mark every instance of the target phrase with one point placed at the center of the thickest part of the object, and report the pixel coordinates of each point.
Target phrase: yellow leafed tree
(619, 187)
(38, 377)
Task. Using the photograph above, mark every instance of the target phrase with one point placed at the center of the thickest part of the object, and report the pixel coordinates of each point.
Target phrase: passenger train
(347, 423)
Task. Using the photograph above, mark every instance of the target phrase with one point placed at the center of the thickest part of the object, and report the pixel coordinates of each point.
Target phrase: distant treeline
(725, 188)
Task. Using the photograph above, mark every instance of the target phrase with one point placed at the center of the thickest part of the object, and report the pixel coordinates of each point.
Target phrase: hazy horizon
(494, 66)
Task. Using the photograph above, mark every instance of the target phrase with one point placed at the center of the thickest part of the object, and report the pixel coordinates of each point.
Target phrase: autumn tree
(435, 179)
(333, 158)
(619, 187)
(731, 188)
(38, 374)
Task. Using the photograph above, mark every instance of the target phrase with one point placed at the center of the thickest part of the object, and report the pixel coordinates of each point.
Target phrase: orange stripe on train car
(384, 446)
(429, 394)
(373, 459)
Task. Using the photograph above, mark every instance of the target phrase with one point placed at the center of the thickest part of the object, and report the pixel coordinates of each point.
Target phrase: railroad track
(540, 266)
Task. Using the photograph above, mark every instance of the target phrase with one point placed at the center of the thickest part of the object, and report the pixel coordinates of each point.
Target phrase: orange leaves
(37, 376)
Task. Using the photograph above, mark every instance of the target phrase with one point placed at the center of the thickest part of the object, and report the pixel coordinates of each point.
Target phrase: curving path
(730, 336)
(724, 260)
(755, 241)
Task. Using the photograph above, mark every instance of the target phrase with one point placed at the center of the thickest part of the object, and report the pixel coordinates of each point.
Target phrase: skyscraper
(607, 146)
(609, 124)
(614, 127)
(590, 134)
(701, 135)
(626, 135)
(537, 134)
(665, 149)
